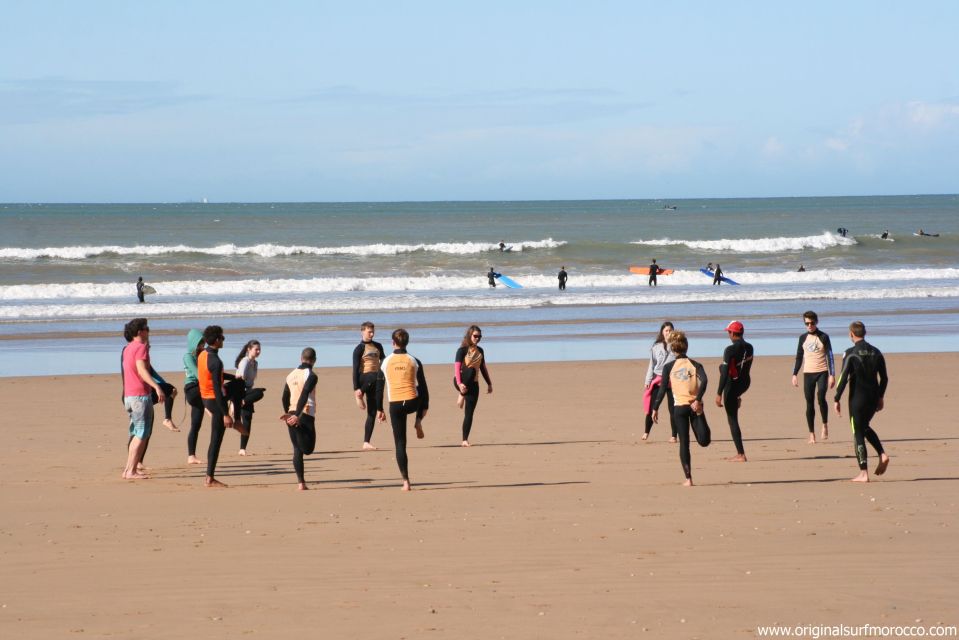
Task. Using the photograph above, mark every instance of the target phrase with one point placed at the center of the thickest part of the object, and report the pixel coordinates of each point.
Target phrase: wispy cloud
(39, 99)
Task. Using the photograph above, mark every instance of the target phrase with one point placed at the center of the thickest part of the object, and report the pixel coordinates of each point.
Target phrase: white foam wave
(267, 250)
(515, 299)
(825, 240)
(451, 283)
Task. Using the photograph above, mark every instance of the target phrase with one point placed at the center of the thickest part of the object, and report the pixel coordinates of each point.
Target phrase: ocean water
(294, 274)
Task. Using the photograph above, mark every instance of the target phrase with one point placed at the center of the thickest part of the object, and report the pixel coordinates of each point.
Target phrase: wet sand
(559, 523)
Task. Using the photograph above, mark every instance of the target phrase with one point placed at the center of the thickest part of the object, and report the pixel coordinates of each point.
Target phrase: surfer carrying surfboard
(653, 272)
(491, 276)
(718, 275)
(140, 289)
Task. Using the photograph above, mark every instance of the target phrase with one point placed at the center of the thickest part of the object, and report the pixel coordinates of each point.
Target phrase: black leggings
(246, 413)
(472, 399)
(368, 387)
(649, 416)
(192, 394)
(731, 404)
(682, 417)
(303, 437)
(168, 400)
(861, 414)
(398, 413)
(217, 429)
(816, 383)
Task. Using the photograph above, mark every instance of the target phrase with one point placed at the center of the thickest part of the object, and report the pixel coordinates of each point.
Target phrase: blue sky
(333, 101)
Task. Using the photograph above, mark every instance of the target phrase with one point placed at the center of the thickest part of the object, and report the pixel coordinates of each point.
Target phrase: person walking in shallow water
(718, 275)
(653, 272)
(864, 370)
(562, 278)
(491, 277)
(140, 289)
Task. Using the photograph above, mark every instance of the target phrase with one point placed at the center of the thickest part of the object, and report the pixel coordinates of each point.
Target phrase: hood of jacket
(193, 338)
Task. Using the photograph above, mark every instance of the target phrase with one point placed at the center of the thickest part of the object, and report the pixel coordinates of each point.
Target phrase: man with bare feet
(367, 358)
(300, 416)
(684, 381)
(734, 382)
(137, 383)
(407, 393)
(814, 356)
(210, 375)
(864, 370)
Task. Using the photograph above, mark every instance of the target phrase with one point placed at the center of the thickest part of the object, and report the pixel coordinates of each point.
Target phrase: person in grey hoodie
(659, 355)
(191, 390)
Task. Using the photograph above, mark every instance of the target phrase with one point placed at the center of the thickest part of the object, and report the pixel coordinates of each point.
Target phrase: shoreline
(558, 522)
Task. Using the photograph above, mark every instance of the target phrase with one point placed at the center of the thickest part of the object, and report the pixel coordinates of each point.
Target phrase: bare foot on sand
(461, 401)
(812, 439)
(214, 483)
(824, 434)
(645, 436)
(466, 443)
(194, 460)
(302, 487)
(407, 486)
(883, 463)
(169, 425)
(673, 439)
(862, 477)
(368, 447)
(136, 475)
(688, 483)
(738, 458)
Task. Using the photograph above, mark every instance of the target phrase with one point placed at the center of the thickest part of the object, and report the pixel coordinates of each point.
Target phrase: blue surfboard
(509, 282)
(713, 275)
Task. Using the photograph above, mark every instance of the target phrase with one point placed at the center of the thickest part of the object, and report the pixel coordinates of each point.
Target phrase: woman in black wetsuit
(470, 360)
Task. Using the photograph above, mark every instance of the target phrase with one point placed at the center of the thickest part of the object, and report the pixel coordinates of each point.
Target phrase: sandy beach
(559, 523)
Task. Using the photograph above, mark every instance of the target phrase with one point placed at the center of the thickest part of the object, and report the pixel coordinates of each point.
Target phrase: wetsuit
(211, 376)
(653, 272)
(367, 358)
(467, 362)
(301, 383)
(491, 276)
(733, 383)
(140, 290)
(406, 392)
(563, 276)
(684, 380)
(864, 370)
(191, 389)
(718, 276)
(814, 356)
(246, 371)
(659, 356)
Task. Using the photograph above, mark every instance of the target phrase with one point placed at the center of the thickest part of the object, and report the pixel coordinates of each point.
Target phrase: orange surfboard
(644, 271)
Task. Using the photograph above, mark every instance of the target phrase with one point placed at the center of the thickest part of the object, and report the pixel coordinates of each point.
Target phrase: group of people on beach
(394, 383)
(683, 381)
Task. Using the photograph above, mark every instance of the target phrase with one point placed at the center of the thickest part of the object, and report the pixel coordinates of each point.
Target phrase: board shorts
(140, 409)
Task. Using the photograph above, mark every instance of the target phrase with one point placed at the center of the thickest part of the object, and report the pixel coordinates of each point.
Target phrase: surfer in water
(562, 278)
(140, 289)
(718, 275)
(491, 276)
(801, 268)
(502, 246)
(653, 272)
(885, 235)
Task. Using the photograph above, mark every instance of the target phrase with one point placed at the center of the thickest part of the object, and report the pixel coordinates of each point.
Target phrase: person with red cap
(734, 382)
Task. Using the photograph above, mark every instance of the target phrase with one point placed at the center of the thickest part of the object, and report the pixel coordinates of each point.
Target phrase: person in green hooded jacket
(191, 390)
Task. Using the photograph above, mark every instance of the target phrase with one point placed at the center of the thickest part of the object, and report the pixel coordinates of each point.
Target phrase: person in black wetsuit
(653, 272)
(300, 416)
(734, 382)
(684, 381)
(140, 289)
(470, 359)
(215, 394)
(717, 275)
(367, 358)
(864, 370)
(563, 276)
(814, 357)
(491, 276)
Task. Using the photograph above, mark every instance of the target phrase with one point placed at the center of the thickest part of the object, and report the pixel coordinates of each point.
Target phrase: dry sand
(559, 523)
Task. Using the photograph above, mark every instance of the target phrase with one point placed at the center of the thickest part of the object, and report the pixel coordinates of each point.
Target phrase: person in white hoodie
(659, 355)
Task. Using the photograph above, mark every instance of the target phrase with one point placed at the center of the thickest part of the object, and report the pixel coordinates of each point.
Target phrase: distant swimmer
(864, 370)
(885, 235)
(492, 276)
(654, 270)
(140, 286)
(842, 231)
(502, 246)
(718, 275)
(562, 278)
(928, 235)
(801, 268)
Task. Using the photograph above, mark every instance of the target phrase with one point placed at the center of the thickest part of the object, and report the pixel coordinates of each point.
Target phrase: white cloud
(931, 116)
